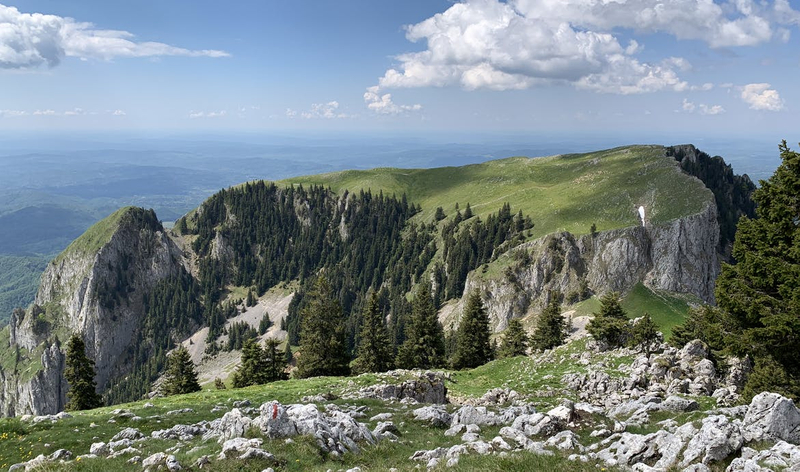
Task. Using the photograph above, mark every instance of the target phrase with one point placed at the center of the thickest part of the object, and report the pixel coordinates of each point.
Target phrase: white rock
(771, 417)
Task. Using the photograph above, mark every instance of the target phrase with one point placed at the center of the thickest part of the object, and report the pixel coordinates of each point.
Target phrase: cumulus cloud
(762, 97)
(327, 111)
(383, 104)
(702, 108)
(208, 114)
(519, 44)
(118, 113)
(29, 40)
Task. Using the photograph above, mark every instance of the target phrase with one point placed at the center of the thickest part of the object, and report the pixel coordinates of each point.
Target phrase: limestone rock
(771, 417)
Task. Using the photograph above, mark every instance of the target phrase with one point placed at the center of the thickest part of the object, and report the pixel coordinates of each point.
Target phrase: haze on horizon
(643, 67)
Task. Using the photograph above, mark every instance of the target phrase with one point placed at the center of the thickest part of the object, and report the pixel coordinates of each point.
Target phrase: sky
(425, 66)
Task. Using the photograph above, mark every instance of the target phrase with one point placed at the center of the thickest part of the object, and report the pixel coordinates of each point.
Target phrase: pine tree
(375, 347)
(468, 212)
(551, 328)
(610, 324)
(643, 334)
(322, 338)
(275, 361)
(424, 345)
(515, 340)
(264, 324)
(181, 376)
(439, 214)
(252, 369)
(79, 373)
(761, 293)
(251, 299)
(287, 353)
(474, 348)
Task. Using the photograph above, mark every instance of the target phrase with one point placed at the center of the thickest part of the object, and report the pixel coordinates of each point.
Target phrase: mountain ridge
(215, 266)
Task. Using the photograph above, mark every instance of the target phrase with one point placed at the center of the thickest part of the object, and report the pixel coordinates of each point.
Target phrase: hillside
(135, 290)
(559, 193)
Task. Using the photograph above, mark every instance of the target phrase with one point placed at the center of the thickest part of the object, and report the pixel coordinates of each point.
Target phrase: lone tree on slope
(424, 346)
(375, 348)
(551, 327)
(322, 337)
(181, 376)
(474, 348)
(610, 324)
(79, 373)
(515, 340)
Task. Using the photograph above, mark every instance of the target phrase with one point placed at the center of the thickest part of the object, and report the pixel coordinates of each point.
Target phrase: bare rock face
(96, 288)
(678, 256)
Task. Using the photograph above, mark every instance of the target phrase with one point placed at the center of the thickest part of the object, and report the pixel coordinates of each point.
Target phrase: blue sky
(582, 66)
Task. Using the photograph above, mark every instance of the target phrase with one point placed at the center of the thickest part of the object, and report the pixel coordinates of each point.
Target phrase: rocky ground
(676, 409)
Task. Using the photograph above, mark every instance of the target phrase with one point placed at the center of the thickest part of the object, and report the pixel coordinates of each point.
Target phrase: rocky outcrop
(96, 288)
(427, 387)
(677, 256)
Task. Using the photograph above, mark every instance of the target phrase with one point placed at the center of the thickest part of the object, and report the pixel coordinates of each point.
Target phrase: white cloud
(734, 23)
(383, 104)
(328, 111)
(13, 113)
(762, 97)
(45, 113)
(118, 113)
(31, 40)
(520, 44)
(494, 45)
(208, 114)
(703, 109)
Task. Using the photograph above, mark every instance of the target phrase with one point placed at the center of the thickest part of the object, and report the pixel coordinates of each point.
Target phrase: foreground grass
(21, 441)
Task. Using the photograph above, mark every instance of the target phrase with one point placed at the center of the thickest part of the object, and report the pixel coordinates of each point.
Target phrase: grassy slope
(667, 309)
(23, 441)
(567, 192)
(96, 236)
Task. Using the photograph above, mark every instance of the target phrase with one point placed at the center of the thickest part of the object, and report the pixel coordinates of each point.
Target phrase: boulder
(427, 387)
(274, 422)
(128, 433)
(717, 439)
(435, 415)
(772, 417)
(233, 424)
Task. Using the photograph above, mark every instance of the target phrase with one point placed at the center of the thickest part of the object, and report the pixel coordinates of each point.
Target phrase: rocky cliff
(677, 256)
(96, 288)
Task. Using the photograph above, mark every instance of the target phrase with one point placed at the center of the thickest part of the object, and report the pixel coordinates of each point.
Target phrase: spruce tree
(275, 361)
(761, 292)
(468, 212)
(610, 324)
(643, 334)
(79, 373)
(424, 345)
(251, 299)
(515, 340)
(551, 328)
(181, 376)
(474, 348)
(322, 338)
(251, 370)
(287, 352)
(375, 348)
